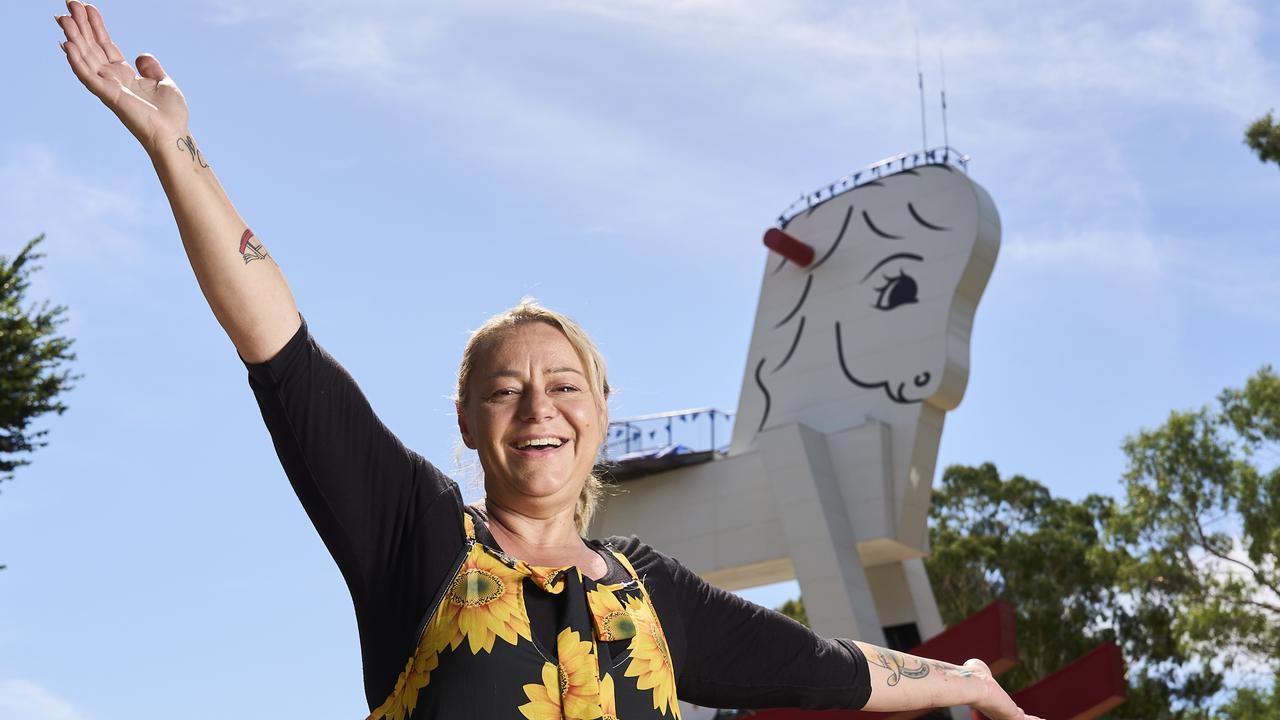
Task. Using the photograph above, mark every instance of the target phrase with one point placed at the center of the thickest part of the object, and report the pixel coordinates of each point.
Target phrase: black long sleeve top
(393, 524)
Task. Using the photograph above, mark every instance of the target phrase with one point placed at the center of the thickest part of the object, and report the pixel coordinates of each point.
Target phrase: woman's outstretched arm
(244, 287)
(905, 682)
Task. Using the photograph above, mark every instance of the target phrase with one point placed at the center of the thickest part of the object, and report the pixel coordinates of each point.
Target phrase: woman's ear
(462, 428)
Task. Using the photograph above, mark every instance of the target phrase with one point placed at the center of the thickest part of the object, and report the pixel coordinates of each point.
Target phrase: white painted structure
(854, 362)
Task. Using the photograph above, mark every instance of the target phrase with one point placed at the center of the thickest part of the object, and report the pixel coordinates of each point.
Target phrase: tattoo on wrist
(898, 666)
(251, 250)
(188, 145)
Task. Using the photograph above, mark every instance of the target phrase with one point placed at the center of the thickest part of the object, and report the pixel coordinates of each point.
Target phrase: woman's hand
(996, 703)
(147, 102)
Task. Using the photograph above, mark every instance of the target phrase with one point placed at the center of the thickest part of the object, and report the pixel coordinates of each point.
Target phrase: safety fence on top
(677, 431)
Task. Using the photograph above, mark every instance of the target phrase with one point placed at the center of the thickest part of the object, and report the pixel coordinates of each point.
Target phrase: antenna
(946, 141)
(924, 135)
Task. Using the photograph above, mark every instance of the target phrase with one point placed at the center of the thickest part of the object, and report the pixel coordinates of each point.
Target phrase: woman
(504, 609)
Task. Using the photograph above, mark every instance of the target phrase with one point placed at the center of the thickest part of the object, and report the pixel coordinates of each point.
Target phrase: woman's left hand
(996, 703)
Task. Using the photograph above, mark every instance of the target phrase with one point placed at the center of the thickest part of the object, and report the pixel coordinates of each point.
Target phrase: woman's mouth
(538, 446)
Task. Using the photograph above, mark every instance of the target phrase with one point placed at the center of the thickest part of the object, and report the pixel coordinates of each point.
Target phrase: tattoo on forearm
(188, 145)
(251, 250)
(897, 666)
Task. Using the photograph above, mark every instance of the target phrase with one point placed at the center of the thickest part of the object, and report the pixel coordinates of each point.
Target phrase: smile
(538, 445)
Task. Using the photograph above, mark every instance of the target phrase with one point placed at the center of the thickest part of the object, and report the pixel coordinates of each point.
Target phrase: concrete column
(818, 533)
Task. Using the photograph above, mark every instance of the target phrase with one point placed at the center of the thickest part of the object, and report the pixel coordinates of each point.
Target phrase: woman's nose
(536, 406)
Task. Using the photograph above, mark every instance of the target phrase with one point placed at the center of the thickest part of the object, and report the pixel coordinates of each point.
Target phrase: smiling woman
(576, 381)
(503, 609)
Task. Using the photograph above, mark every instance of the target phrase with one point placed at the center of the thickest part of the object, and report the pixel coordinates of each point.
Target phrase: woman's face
(533, 418)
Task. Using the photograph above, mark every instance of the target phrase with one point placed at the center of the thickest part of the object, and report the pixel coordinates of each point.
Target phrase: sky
(415, 169)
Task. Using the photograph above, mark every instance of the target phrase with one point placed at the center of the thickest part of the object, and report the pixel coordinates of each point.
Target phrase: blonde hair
(529, 311)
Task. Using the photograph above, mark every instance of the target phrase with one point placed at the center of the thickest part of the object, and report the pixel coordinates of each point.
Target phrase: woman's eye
(897, 290)
(567, 388)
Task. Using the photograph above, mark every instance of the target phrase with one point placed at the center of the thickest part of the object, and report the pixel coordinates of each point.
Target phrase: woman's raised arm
(244, 287)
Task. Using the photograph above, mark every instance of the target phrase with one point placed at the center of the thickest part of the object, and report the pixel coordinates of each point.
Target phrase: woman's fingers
(92, 51)
(149, 67)
(104, 38)
(97, 85)
(75, 39)
(74, 47)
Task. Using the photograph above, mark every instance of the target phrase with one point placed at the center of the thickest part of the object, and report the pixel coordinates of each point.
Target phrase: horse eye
(900, 289)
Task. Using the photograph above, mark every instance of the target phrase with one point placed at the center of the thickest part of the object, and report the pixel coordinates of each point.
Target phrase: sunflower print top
(450, 627)
(477, 655)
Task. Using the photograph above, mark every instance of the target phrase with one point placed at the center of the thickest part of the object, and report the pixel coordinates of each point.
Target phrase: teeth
(539, 442)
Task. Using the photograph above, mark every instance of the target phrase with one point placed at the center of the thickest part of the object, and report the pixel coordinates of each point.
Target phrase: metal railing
(905, 161)
(695, 429)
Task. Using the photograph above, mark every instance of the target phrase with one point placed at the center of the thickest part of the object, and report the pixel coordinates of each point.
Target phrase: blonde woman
(504, 609)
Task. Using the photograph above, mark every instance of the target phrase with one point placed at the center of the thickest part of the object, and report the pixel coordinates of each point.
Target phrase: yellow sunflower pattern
(611, 619)
(550, 579)
(570, 690)
(484, 602)
(414, 677)
(608, 705)
(650, 660)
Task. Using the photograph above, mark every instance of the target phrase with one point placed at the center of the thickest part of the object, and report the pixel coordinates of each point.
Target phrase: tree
(1253, 704)
(994, 538)
(1181, 571)
(1263, 136)
(794, 609)
(1055, 562)
(1203, 517)
(32, 359)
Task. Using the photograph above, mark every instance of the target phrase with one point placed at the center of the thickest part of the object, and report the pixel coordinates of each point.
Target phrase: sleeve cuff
(270, 372)
(861, 680)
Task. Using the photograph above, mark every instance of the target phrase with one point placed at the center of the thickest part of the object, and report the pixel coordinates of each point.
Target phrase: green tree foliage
(794, 609)
(994, 538)
(1203, 517)
(32, 358)
(1181, 572)
(1253, 704)
(1055, 561)
(1263, 136)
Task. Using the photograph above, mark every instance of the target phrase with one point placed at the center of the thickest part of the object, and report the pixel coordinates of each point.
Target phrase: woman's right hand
(148, 102)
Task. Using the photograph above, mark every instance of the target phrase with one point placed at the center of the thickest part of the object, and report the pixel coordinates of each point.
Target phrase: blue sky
(415, 169)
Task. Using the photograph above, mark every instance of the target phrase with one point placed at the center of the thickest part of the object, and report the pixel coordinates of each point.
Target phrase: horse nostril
(922, 379)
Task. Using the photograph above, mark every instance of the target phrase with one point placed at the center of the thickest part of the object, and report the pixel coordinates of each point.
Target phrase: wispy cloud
(87, 222)
(1213, 272)
(1100, 249)
(1201, 53)
(29, 701)
(664, 112)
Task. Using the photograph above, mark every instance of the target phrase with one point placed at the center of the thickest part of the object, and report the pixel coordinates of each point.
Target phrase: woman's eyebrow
(557, 370)
(895, 256)
(507, 372)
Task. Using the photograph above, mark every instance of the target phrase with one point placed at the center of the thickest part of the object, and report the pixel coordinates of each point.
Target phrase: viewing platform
(648, 444)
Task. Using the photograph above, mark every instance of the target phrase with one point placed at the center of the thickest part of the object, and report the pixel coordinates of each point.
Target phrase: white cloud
(1131, 253)
(84, 221)
(653, 113)
(1201, 271)
(29, 701)
(362, 46)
